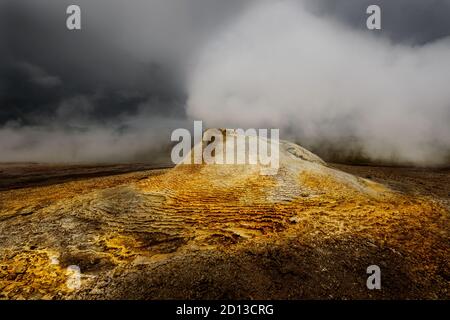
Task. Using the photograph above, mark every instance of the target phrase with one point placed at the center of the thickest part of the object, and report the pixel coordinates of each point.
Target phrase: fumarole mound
(222, 231)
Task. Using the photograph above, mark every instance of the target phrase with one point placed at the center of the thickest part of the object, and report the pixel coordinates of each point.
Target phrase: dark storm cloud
(135, 52)
(414, 21)
(43, 64)
(115, 89)
(94, 94)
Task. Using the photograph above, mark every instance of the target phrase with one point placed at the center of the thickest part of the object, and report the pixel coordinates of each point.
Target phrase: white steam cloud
(280, 66)
(140, 138)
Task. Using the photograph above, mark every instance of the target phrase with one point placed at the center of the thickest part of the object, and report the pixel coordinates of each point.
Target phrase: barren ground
(150, 234)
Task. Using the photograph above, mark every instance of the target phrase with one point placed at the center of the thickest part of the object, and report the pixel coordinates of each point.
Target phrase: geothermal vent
(294, 173)
(162, 234)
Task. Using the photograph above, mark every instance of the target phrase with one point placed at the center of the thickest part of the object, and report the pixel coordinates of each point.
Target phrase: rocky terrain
(224, 231)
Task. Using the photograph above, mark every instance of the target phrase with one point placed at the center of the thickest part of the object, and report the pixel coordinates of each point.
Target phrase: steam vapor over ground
(283, 67)
(137, 70)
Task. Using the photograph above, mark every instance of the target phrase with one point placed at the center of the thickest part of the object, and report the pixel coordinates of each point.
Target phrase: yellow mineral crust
(111, 227)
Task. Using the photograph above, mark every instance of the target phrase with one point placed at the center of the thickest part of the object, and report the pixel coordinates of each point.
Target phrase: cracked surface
(225, 231)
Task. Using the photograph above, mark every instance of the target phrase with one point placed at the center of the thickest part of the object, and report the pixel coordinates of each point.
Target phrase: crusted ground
(209, 231)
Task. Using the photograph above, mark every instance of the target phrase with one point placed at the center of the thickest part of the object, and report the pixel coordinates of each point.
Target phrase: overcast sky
(114, 90)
